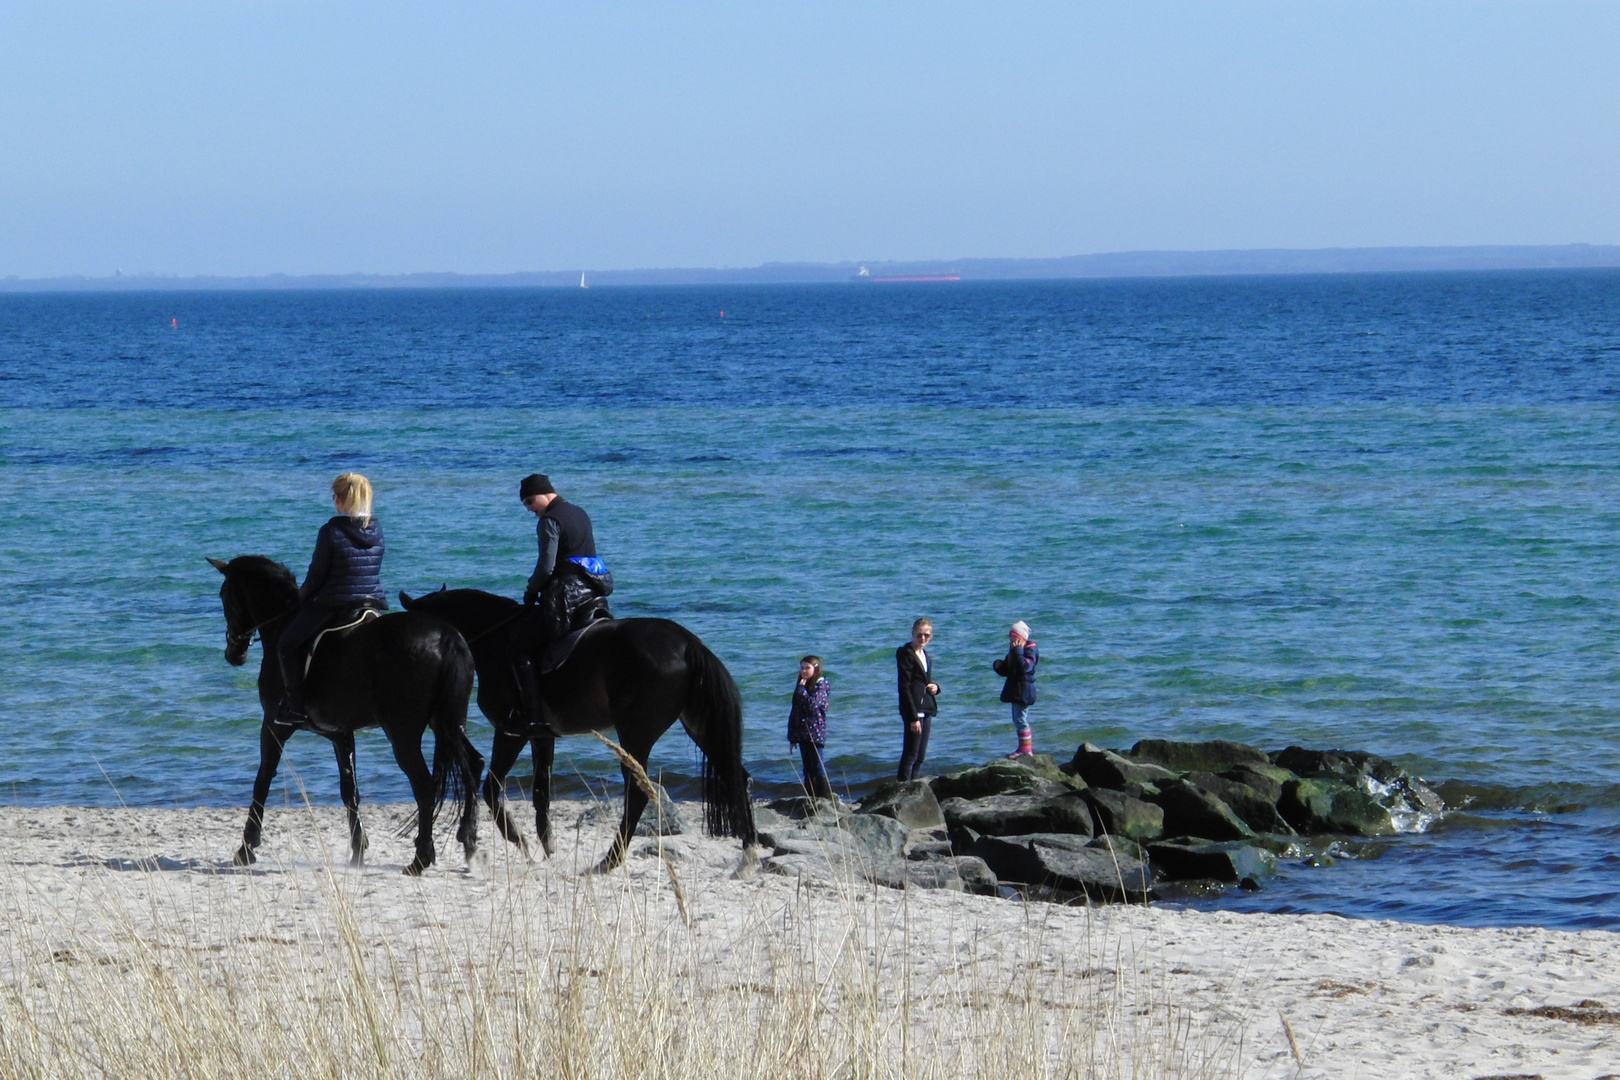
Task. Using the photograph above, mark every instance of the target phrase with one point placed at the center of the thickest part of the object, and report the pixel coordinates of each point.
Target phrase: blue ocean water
(1370, 512)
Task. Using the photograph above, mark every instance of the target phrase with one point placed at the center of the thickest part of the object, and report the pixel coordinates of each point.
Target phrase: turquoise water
(1388, 525)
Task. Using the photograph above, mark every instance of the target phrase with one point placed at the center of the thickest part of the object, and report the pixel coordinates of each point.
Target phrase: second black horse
(633, 675)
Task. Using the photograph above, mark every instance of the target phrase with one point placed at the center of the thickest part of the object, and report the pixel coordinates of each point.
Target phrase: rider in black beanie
(567, 576)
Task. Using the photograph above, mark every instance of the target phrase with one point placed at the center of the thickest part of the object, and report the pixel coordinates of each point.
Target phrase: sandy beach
(131, 942)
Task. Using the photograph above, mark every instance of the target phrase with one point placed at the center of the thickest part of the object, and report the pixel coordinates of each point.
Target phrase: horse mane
(262, 568)
(464, 603)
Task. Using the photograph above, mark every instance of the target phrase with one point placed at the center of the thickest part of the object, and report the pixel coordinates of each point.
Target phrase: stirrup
(289, 715)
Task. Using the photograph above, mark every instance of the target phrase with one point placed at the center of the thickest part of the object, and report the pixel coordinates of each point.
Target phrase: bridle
(244, 639)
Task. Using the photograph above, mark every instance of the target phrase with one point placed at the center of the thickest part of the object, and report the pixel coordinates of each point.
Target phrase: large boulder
(1011, 815)
(1410, 801)
(1099, 875)
(1106, 769)
(1251, 806)
(1189, 811)
(1116, 813)
(831, 867)
(1232, 863)
(1325, 805)
(857, 834)
(910, 802)
(1002, 777)
(1268, 780)
(1216, 755)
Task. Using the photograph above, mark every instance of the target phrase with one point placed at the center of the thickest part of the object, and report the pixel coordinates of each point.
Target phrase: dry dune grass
(311, 970)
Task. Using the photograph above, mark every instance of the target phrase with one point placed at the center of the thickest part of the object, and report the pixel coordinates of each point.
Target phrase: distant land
(1121, 264)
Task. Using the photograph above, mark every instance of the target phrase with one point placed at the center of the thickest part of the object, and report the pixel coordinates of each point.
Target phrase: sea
(1368, 512)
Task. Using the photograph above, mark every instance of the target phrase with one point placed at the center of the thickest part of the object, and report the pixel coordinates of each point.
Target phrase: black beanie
(535, 484)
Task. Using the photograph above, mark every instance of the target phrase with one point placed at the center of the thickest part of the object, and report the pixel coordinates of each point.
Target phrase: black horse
(637, 676)
(404, 673)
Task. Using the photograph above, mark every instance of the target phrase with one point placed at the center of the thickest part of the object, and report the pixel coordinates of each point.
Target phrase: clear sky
(257, 136)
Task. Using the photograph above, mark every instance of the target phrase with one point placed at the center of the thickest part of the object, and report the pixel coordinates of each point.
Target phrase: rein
(247, 635)
(488, 630)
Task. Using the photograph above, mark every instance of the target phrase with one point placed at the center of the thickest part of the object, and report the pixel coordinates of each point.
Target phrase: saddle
(362, 612)
(556, 654)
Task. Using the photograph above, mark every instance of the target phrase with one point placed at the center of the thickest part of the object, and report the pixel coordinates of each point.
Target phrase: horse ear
(217, 564)
(443, 586)
(405, 600)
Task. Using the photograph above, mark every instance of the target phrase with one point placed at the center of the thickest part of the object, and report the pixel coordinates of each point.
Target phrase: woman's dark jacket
(914, 680)
(1019, 668)
(347, 565)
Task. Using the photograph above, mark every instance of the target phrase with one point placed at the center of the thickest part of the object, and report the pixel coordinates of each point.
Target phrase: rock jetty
(1160, 819)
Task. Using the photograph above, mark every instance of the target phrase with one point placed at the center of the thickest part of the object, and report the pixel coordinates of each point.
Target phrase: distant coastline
(1122, 264)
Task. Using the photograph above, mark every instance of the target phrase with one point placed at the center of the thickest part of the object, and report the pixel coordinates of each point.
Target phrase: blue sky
(234, 137)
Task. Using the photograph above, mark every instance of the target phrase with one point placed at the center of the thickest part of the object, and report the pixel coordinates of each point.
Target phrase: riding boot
(528, 694)
(291, 710)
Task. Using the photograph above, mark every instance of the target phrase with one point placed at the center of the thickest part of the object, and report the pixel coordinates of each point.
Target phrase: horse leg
(544, 753)
(501, 758)
(272, 737)
(408, 753)
(343, 746)
(635, 801)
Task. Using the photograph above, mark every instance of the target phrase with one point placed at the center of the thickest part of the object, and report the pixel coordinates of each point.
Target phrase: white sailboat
(582, 280)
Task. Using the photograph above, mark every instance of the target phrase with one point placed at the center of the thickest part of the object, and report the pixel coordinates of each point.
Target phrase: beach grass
(318, 971)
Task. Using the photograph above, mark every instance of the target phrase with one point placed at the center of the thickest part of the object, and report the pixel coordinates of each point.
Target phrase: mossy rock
(1101, 768)
(1268, 780)
(1119, 814)
(910, 802)
(1326, 805)
(1230, 863)
(1012, 815)
(1212, 756)
(1251, 806)
(1002, 777)
(1191, 811)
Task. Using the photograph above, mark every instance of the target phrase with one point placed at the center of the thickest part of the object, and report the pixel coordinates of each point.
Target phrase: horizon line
(1228, 262)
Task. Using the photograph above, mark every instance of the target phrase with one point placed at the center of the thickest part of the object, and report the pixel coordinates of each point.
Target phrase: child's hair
(920, 623)
(815, 668)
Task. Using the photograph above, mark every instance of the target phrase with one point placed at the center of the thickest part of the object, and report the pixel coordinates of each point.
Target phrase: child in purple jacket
(807, 725)
(1018, 668)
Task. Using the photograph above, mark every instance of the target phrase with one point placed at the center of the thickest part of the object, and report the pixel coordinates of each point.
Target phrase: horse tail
(454, 772)
(714, 706)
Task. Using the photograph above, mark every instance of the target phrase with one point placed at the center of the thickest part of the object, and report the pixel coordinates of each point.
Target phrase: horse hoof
(416, 868)
(244, 856)
(357, 859)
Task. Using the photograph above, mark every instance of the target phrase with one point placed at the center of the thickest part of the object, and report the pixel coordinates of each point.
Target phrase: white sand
(1364, 999)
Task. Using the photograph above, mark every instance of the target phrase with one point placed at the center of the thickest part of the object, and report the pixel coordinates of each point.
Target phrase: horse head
(255, 592)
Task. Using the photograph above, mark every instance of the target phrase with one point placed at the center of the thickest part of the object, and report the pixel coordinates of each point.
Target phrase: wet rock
(1189, 811)
(1326, 805)
(1002, 777)
(1009, 815)
(1099, 875)
(1115, 813)
(1268, 780)
(1216, 755)
(1106, 769)
(1251, 806)
(1119, 845)
(1232, 863)
(910, 802)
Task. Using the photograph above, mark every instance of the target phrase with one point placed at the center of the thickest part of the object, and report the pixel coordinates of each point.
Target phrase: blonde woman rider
(343, 573)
